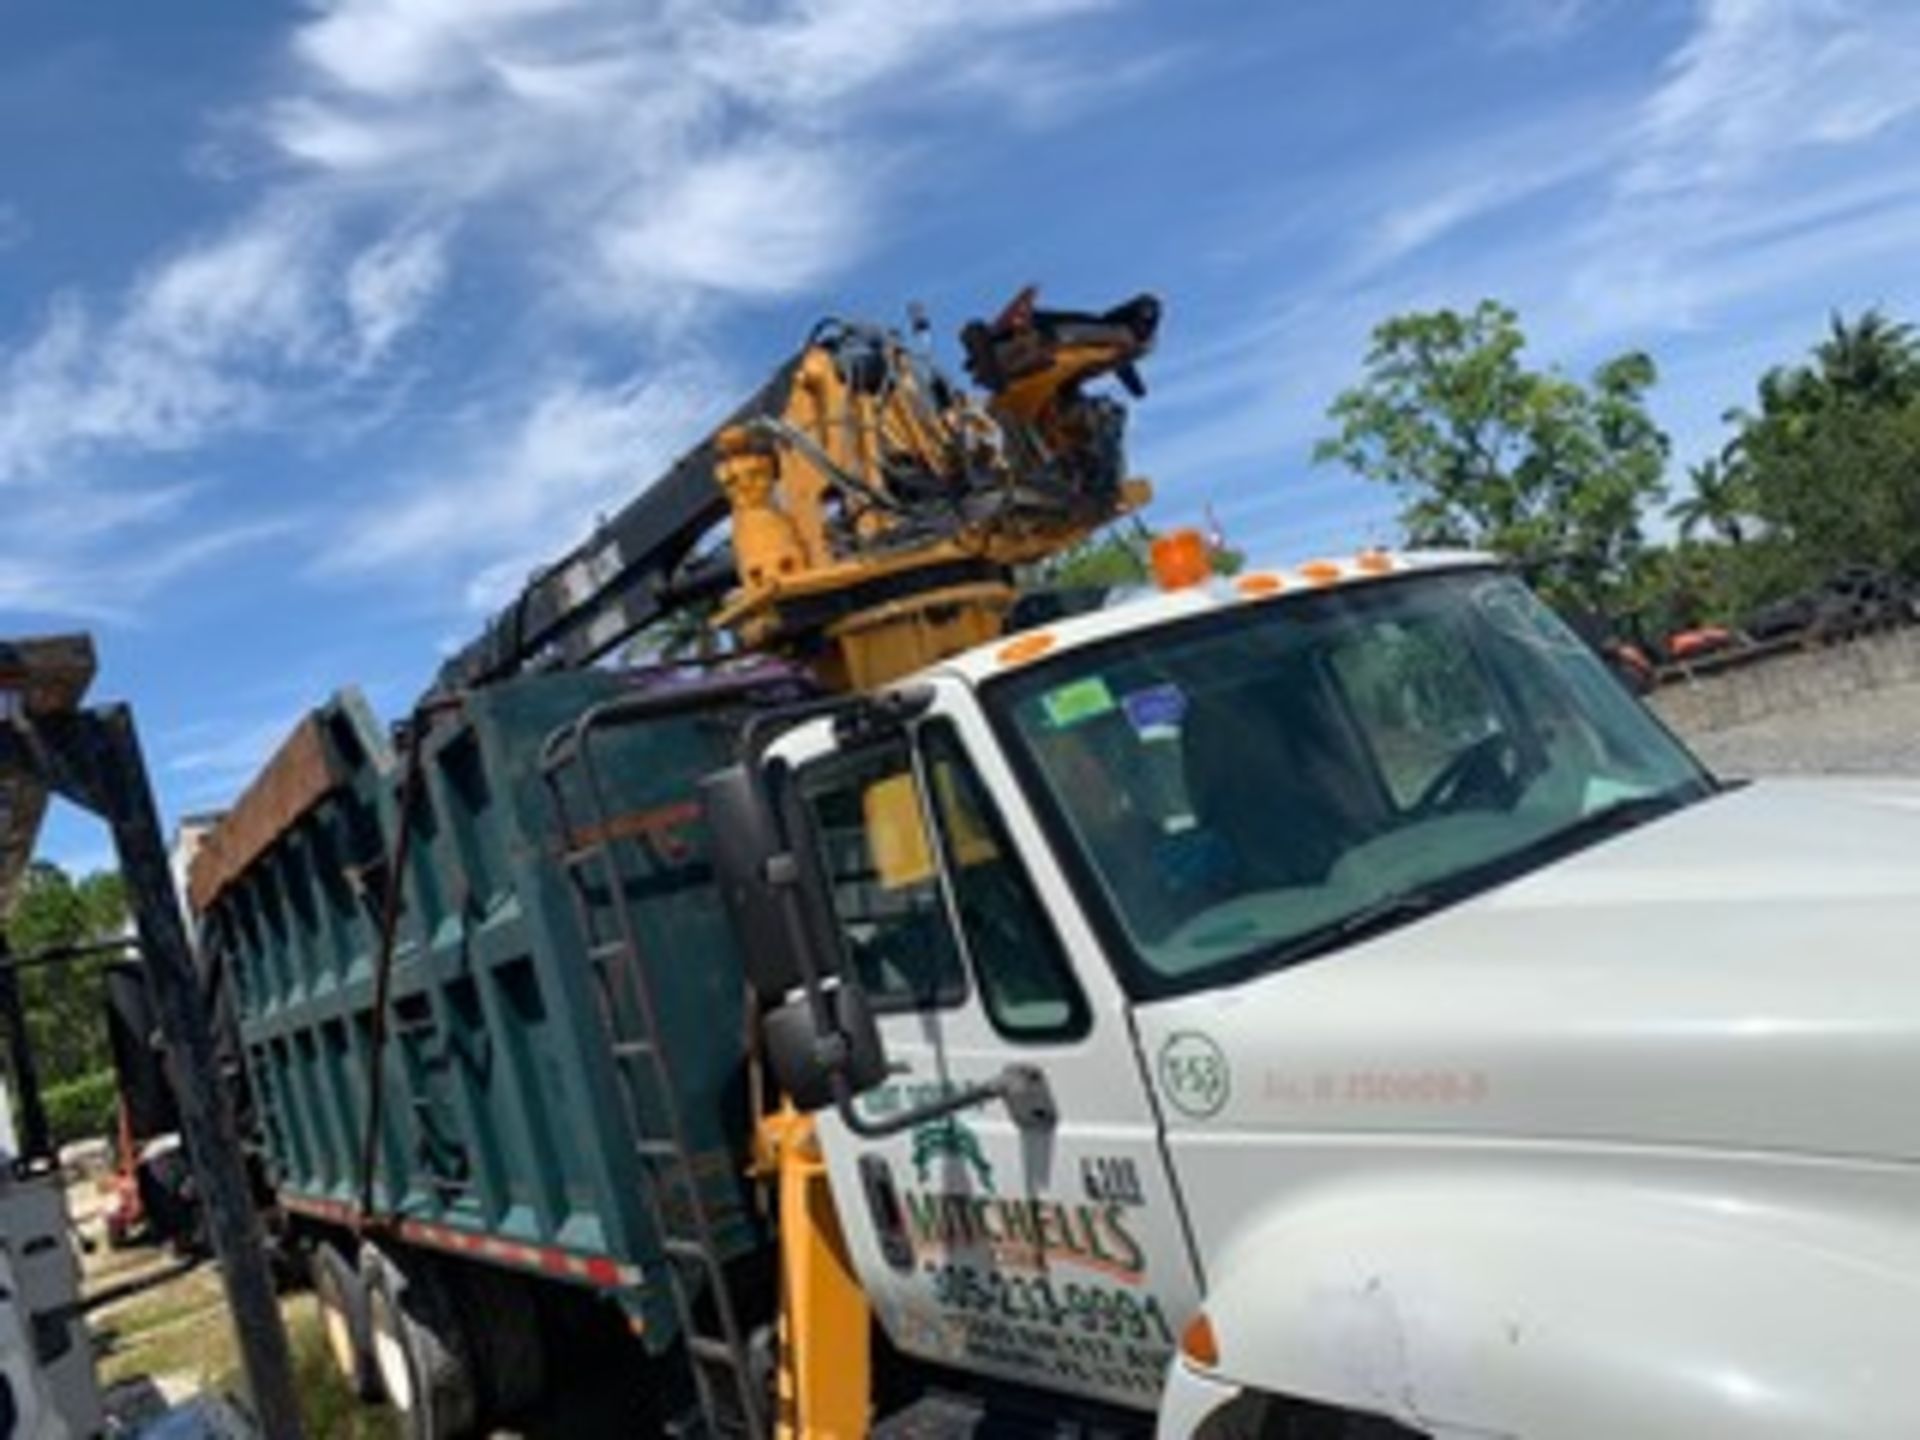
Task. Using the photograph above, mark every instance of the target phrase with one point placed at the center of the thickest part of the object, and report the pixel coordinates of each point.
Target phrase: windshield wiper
(1387, 913)
(1622, 815)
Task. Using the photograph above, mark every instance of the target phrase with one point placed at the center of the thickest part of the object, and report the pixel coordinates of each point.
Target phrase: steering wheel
(1479, 772)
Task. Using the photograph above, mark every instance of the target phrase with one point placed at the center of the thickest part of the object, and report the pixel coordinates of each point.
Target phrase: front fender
(1556, 1309)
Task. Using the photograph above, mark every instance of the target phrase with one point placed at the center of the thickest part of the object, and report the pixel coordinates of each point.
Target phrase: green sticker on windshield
(1078, 702)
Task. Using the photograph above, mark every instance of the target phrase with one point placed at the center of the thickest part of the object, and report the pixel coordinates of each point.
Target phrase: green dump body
(504, 1130)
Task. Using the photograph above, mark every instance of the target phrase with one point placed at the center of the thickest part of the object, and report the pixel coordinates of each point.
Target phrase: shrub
(81, 1109)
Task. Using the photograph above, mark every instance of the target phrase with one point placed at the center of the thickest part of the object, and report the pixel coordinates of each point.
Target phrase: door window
(885, 889)
(1030, 991)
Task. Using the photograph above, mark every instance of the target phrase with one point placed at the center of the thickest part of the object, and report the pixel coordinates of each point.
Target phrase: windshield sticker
(1155, 713)
(1077, 703)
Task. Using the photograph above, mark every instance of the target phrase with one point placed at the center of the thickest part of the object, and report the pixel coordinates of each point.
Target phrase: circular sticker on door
(1193, 1072)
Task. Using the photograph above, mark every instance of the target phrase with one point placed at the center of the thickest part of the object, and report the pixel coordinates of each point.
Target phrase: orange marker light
(1320, 572)
(1374, 562)
(1180, 559)
(1254, 586)
(1198, 1344)
(1027, 647)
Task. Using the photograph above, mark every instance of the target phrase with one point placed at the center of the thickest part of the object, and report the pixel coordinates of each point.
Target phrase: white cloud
(1772, 116)
(770, 220)
(68, 571)
(194, 346)
(672, 146)
(239, 294)
(507, 503)
(1500, 181)
(1759, 79)
(618, 168)
(389, 285)
(659, 156)
(1535, 24)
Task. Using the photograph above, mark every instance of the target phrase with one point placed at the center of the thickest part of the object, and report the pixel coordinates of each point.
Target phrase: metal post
(36, 1140)
(115, 777)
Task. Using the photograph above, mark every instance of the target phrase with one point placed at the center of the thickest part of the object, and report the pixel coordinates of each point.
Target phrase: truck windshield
(1254, 787)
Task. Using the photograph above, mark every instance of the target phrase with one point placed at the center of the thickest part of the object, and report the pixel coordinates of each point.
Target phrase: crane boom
(875, 508)
(628, 574)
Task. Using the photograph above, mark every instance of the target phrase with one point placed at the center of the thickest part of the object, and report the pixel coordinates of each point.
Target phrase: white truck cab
(1408, 1032)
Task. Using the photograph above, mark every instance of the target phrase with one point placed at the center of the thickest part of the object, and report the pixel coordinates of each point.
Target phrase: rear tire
(420, 1348)
(510, 1357)
(343, 1318)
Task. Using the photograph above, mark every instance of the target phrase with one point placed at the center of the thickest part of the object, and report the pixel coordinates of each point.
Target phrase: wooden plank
(45, 674)
(300, 773)
(41, 675)
(23, 805)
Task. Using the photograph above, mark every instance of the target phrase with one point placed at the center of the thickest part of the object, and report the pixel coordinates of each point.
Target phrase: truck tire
(510, 1357)
(420, 1349)
(1257, 1416)
(342, 1295)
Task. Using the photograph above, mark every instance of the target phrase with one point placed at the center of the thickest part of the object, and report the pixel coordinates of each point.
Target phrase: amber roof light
(1180, 559)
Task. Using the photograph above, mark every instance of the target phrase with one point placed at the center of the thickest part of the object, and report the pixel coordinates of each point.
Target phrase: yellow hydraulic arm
(877, 516)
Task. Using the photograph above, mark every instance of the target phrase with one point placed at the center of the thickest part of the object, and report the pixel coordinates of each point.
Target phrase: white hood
(1744, 974)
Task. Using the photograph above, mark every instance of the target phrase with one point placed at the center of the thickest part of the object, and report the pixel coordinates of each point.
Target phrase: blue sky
(321, 325)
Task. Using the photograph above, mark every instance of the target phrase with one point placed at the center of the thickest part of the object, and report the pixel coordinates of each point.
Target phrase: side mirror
(746, 848)
(805, 1059)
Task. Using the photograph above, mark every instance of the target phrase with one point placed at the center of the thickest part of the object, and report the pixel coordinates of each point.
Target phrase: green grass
(330, 1409)
(176, 1329)
(180, 1331)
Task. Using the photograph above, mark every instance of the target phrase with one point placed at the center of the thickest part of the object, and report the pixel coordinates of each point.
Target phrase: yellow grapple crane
(874, 511)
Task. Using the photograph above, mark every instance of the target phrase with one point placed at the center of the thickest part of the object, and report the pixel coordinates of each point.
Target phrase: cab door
(1053, 1257)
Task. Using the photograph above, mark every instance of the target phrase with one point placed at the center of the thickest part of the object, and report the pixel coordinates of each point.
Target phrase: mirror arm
(1024, 1087)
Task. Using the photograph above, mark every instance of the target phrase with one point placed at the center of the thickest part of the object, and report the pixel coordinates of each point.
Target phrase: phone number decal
(1093, 1335)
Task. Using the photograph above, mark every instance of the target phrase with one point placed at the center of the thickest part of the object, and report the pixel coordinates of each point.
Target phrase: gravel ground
(1877, 733)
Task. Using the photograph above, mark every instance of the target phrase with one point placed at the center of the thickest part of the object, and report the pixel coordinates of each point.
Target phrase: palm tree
(1871, 360)
(1718, 501)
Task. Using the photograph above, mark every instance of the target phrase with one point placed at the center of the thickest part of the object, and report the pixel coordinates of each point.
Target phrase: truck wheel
(510, 1358)
(1257, 1416)
(343, 1318)
(419, 1347)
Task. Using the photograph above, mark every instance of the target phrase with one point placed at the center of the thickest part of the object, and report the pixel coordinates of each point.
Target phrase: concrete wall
(1794, 680)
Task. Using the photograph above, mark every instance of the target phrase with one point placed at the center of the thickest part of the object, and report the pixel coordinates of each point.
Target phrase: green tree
(1719, 500)
(1831, 457)
(1489, 453)
(1869, 361)
(65, 1003)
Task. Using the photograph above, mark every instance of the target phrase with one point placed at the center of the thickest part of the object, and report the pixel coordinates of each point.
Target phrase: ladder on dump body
(717, 1355)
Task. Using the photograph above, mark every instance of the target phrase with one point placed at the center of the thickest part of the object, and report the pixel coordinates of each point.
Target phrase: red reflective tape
(601, 1270)
(332, 1210)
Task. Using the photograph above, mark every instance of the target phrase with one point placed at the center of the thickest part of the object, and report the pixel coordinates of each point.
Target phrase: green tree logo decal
(947, 1136)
